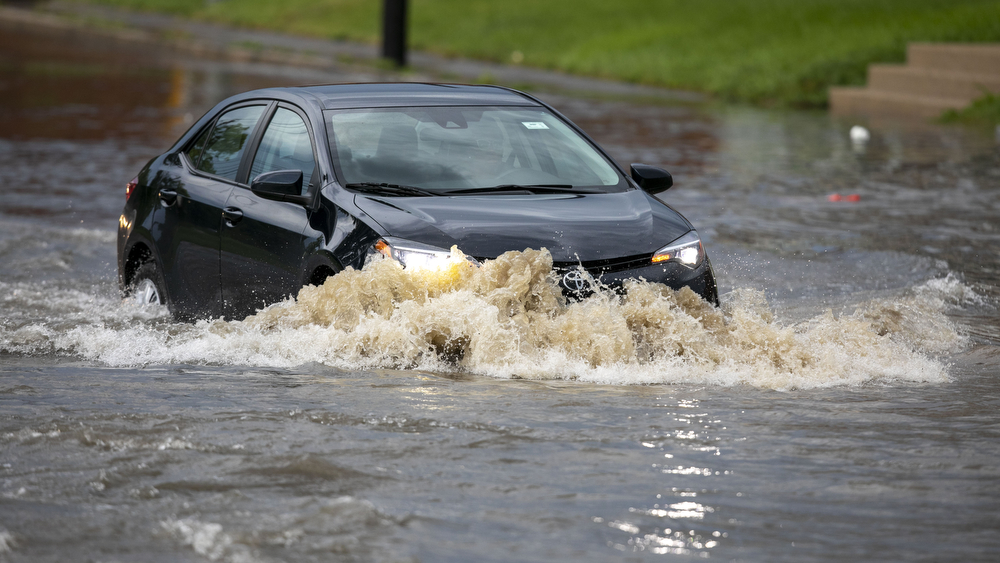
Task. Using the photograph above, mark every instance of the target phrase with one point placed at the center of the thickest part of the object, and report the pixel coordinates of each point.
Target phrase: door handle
(232, 215)
(168, 196)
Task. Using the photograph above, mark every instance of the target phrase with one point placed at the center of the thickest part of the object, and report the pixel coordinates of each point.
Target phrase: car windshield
(466, 149)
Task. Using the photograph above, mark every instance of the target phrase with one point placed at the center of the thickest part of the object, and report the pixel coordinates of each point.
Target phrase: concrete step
(932, 82)
(863, 101)
(956, 57)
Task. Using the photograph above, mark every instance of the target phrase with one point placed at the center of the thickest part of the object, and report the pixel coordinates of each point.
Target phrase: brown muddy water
(841, 404)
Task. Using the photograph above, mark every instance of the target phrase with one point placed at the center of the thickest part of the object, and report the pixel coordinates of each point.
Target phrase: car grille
(578, 288)
(598, 268)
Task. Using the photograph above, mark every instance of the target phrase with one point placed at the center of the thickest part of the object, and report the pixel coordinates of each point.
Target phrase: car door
(262, 242)
(192, 206)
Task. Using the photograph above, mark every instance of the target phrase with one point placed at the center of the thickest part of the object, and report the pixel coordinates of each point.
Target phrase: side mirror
(280, 185)
(651, 179)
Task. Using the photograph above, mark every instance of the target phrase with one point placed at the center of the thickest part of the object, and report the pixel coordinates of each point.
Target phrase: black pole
(394, 31)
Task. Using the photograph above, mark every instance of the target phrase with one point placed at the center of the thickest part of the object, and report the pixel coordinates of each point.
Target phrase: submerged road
(845, 409)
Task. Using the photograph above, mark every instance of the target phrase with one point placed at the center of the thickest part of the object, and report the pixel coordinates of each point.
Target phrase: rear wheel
(147, 286)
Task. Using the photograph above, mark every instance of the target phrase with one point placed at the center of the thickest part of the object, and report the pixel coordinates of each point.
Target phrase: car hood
(573, 227)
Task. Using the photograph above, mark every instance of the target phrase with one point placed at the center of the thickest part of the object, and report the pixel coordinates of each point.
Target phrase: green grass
(984, 111)
(785, 52)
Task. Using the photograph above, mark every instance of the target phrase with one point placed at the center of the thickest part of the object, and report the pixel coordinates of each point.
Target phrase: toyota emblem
(574, 280)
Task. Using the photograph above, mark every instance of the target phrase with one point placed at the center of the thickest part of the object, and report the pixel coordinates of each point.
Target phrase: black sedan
(278, 188)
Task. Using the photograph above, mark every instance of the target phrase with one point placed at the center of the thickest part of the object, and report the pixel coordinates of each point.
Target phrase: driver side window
(221, 152)
(285, 146)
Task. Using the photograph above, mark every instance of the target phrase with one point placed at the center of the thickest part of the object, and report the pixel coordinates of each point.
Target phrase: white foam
(7, 541)
(508, 319)
(206, 539)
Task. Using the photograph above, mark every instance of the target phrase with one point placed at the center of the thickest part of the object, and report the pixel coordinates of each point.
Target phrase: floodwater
(841, 404)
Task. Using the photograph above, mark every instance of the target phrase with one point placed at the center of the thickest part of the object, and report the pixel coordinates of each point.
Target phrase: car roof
(408, 94)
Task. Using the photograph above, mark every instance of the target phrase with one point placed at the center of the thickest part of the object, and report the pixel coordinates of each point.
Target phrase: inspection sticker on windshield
(534, 125)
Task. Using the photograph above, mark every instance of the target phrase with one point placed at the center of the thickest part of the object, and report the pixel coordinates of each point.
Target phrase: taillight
(130, 187)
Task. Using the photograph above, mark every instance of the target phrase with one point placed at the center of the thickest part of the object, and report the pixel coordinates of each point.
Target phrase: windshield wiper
(383, 188)
(512, 188)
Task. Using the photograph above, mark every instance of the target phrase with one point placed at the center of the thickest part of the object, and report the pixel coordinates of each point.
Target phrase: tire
(147, 286)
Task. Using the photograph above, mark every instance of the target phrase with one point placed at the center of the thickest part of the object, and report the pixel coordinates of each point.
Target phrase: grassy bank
(764, 51)
(984, 112)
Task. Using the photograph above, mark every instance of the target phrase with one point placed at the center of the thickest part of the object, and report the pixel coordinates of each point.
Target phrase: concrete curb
(935, 78)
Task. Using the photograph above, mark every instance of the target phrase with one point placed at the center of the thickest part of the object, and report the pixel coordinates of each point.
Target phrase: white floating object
(859, 134)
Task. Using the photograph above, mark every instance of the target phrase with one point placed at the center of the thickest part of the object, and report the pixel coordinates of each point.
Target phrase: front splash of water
(508, 318)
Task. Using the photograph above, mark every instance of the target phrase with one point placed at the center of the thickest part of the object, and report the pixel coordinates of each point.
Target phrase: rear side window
(285, 146)
(223, 149)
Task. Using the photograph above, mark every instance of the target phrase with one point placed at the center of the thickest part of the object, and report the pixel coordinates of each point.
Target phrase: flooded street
(842, 407)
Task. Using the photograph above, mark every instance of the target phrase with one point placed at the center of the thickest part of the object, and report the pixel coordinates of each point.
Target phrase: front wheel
(147, 286)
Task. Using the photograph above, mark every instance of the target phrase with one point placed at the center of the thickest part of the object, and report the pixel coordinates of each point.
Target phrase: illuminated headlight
(417, 256)
(686, 251)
